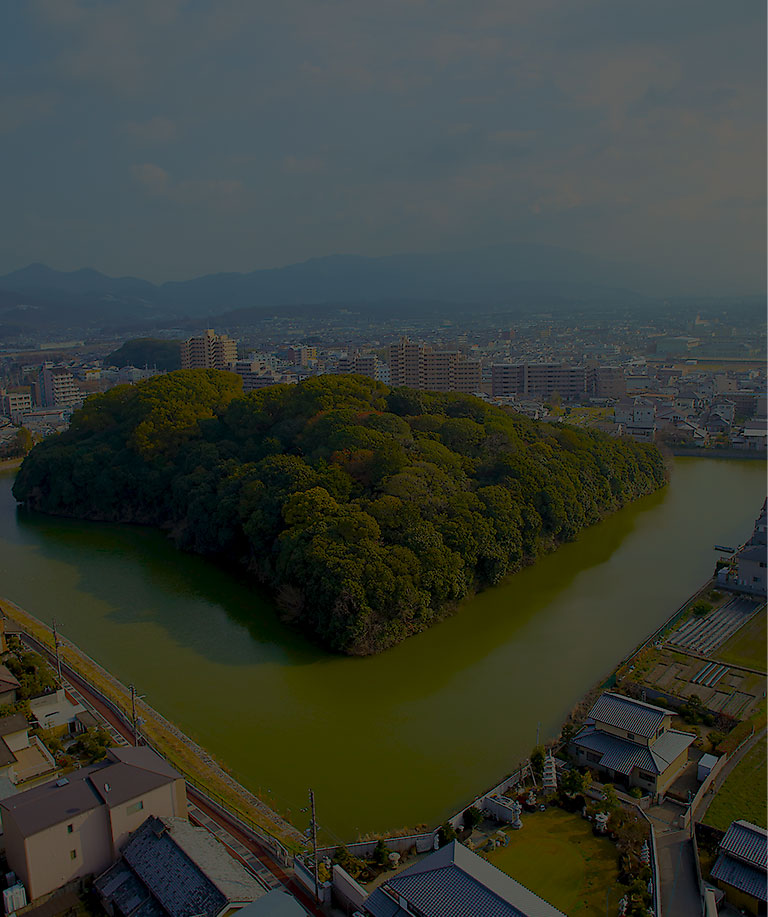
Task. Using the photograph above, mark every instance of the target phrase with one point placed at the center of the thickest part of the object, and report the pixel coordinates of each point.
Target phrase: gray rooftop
(635, 716)
(746, 878)
(17, 722)
(171, 868)
(747, 842)
(455, 882)
(8, 680)
(126, 774)
(622, 755)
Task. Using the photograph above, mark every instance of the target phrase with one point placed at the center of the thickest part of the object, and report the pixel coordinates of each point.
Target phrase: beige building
(15, 402)
(210, 351)
(542, 379)
(75, 826)
(421, 367)
(58, 388)
(631, 743)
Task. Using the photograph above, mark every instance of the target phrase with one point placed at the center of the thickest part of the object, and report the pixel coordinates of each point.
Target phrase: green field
(748, 645)
(557, 857)
(743, 793)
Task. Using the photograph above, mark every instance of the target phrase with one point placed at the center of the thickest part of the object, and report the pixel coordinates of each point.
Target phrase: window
(70, 829)
(134, 807)
(73, 854)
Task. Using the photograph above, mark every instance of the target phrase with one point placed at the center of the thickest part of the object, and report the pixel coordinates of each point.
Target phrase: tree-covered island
(368, 511)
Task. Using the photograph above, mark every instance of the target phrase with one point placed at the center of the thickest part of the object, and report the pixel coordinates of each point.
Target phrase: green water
(404, 737)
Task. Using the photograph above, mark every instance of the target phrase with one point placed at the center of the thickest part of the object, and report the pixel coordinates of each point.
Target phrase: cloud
(155, 130)
(302, 165)
(152, 178)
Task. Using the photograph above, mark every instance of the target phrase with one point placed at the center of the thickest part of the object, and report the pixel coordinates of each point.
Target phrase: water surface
(397, 739)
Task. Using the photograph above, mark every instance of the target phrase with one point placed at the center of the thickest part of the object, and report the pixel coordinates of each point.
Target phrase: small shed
(706, 763)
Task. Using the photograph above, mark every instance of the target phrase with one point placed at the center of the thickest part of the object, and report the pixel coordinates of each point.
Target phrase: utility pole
(314, 846)
(56, 649)
(133, 714)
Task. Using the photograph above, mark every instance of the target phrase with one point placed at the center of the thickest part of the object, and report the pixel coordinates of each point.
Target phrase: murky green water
(404, 737)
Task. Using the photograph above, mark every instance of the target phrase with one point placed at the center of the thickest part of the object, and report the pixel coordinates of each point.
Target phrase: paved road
(235, 836)
(677, 868)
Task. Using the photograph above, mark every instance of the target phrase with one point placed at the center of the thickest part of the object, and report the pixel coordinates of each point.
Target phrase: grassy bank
(191, 760)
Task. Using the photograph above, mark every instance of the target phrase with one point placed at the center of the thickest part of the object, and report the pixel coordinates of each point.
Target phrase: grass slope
(743, 793)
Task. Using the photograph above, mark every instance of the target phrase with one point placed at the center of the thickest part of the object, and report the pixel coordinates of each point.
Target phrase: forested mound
(369, 511)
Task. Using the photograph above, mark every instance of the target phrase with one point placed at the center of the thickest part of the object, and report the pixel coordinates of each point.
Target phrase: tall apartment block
(16, 402)
(606, 381)
(418, 366)
(210, 351)
(363, 364)
(58, 388)
(542, 379)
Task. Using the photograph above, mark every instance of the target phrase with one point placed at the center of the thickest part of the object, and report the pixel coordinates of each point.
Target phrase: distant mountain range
(520, 275)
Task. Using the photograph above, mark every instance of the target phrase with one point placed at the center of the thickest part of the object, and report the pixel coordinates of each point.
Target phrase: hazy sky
(171, 138)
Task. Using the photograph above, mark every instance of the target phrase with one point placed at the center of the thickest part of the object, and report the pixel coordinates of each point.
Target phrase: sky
(172, 138)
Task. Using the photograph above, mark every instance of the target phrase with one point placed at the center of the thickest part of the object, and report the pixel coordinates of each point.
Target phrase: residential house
(168, 867)
(740, 869)
(74, 826)
(455, 882)
(8, 686)
(22, 756)
(632, 743)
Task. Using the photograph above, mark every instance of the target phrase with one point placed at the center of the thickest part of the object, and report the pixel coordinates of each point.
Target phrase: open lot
(586, 877)
(748, 647)
(743, 793)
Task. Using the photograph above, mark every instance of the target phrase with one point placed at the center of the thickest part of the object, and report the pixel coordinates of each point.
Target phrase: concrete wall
(47, 856)
(363, 849)
(122, 821)
(348, 893)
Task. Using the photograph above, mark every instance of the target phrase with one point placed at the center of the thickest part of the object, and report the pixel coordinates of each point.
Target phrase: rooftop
(626, 713)
(455, 882)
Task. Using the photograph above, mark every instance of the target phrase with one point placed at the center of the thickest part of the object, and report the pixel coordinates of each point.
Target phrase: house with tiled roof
(631, 743)
(9, 685)
(74, 826)
(455, 882)
(169, 868)
(740, 869)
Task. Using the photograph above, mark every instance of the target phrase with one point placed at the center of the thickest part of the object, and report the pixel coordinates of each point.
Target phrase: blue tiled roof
(746, 878)
(625, 713)
(746, 842)
(455, 882)
(620, 755)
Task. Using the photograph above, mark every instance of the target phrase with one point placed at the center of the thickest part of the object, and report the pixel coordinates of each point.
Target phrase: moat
(385, 741)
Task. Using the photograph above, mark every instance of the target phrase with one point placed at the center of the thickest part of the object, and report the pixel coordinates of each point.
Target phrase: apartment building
(606, 382)
(419, 366)
(74, 826)
(542, 379)
(58, 388)
(209, 351)
(16, 402)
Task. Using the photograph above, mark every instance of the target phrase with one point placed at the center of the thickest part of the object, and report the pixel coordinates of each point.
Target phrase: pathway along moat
(396, 739)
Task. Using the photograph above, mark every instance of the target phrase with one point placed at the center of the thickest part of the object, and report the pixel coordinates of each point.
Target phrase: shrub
(701, 608)
(447, 834)
(472, 817)
(381, 853)
(537, 760)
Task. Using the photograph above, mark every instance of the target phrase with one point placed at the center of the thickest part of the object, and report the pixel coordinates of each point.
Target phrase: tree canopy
(368, 511)
(165, 355)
